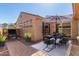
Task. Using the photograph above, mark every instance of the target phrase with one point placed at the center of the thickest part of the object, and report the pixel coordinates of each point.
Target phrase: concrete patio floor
(4, 51)
(58, 51)
(16, 48)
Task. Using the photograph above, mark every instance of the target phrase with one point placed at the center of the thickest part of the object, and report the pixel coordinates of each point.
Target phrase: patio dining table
(56, 40)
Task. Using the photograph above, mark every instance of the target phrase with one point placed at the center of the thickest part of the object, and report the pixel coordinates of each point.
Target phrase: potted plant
(27, 36)
(2, 40)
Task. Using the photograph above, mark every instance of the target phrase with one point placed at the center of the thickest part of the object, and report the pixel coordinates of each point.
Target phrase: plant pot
(2, 44)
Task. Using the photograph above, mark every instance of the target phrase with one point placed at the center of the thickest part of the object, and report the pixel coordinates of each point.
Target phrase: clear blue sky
(10, 12)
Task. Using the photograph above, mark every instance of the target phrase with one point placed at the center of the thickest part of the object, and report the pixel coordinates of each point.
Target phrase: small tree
(28, 36)
(4, 25)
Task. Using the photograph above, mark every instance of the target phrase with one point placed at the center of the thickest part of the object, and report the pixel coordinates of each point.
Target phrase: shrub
(2, 38)
(27, 36)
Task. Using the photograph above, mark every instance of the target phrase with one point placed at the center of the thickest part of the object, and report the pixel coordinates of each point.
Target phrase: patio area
(58, 51)
(18, 48)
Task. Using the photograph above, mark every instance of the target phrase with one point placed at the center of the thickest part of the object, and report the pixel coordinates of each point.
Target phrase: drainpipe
(56, 24)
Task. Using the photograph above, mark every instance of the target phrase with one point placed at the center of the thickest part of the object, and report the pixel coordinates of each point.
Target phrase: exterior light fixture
(78, 38)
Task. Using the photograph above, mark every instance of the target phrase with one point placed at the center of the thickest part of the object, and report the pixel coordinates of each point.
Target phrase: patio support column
(74, 28)
(75, 20)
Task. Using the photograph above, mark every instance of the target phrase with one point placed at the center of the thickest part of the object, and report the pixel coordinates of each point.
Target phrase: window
(28, 23)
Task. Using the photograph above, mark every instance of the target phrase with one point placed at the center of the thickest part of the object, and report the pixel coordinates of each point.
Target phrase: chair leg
(53, 46)
(45, 48)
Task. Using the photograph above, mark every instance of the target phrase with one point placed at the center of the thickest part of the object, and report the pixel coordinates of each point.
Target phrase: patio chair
(60, 39)
(48, 41)
(52, 39)
(64, 41)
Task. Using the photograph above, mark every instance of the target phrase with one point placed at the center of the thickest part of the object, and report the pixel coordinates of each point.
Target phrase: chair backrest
(48, 41)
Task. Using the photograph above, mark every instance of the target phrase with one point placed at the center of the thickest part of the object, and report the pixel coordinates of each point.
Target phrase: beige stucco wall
(52, 27)
(37, 29)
